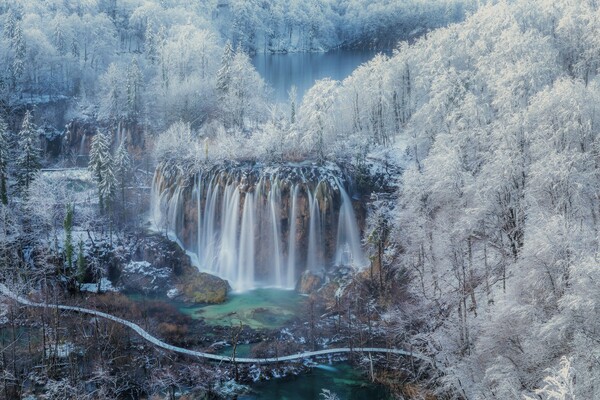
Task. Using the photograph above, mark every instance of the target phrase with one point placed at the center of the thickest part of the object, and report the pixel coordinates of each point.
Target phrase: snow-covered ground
(105, 286)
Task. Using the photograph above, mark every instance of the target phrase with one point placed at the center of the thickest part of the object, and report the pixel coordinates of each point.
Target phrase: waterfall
(258, 227)
(274, 201)
(228, 251)
(291, 262)
(314, 239)
(82, 144)
(245, 274)
(349, 249)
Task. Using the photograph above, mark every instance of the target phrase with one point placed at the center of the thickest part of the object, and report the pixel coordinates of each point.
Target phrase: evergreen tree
(101, 165)
(4, 145)
(122, 168)
(224, 73)
(19, 53)
(99, 148)
(28, 159)
(108, 183)
(10, 24)
(134, 85)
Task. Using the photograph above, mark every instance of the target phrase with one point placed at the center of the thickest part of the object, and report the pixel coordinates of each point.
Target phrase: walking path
(159, 343)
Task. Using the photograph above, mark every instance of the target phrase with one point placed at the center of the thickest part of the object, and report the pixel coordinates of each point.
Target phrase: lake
(281, 71)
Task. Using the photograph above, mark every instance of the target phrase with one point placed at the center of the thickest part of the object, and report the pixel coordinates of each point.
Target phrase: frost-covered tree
(313, 117)
(102, 168)
(28, 160)
(123, 167)
(224, 72)
(4, 146)
(559, 386)
(115, 97)
(19, 53)
(134, 85)
(177, 143)
(243, 100)
(293, 98)
(108, 185)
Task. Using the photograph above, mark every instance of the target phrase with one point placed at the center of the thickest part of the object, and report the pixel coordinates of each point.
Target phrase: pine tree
(224, 73)
(19, 53)
(28, 159)
(101, 165)
(99, 148)
(108, 184)
(10, 24)
(4, 145)
(134, 85)
(122, 168)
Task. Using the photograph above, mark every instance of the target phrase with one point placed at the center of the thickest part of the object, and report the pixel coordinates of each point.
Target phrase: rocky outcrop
(160, 268)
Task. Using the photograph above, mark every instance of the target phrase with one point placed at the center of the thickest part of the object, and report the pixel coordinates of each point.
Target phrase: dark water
(341, 379)
(281, 71)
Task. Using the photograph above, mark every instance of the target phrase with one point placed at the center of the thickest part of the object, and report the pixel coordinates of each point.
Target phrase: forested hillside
(325, 24)
(497, 217)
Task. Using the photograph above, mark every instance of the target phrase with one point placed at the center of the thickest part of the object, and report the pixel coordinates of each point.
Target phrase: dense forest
(472, 147)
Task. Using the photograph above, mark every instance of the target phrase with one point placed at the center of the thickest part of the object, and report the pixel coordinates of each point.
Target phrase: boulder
(200, 287)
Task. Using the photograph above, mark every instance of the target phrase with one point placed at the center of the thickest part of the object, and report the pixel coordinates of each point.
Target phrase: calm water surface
(281, 71)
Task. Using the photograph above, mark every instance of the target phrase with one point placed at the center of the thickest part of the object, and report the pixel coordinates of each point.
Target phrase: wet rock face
(309, 282)
(258, 225)
(80, 132)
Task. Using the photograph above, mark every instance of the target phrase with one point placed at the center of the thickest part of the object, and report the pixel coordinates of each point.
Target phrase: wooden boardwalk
(199, 354)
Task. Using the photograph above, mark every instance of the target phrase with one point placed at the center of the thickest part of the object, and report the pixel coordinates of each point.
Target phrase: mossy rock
(203, 288)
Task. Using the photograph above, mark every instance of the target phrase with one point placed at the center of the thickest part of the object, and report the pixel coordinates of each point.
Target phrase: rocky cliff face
(259, 225)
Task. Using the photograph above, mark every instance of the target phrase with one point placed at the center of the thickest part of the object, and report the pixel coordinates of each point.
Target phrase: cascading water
(259, 227)
(291, 261)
